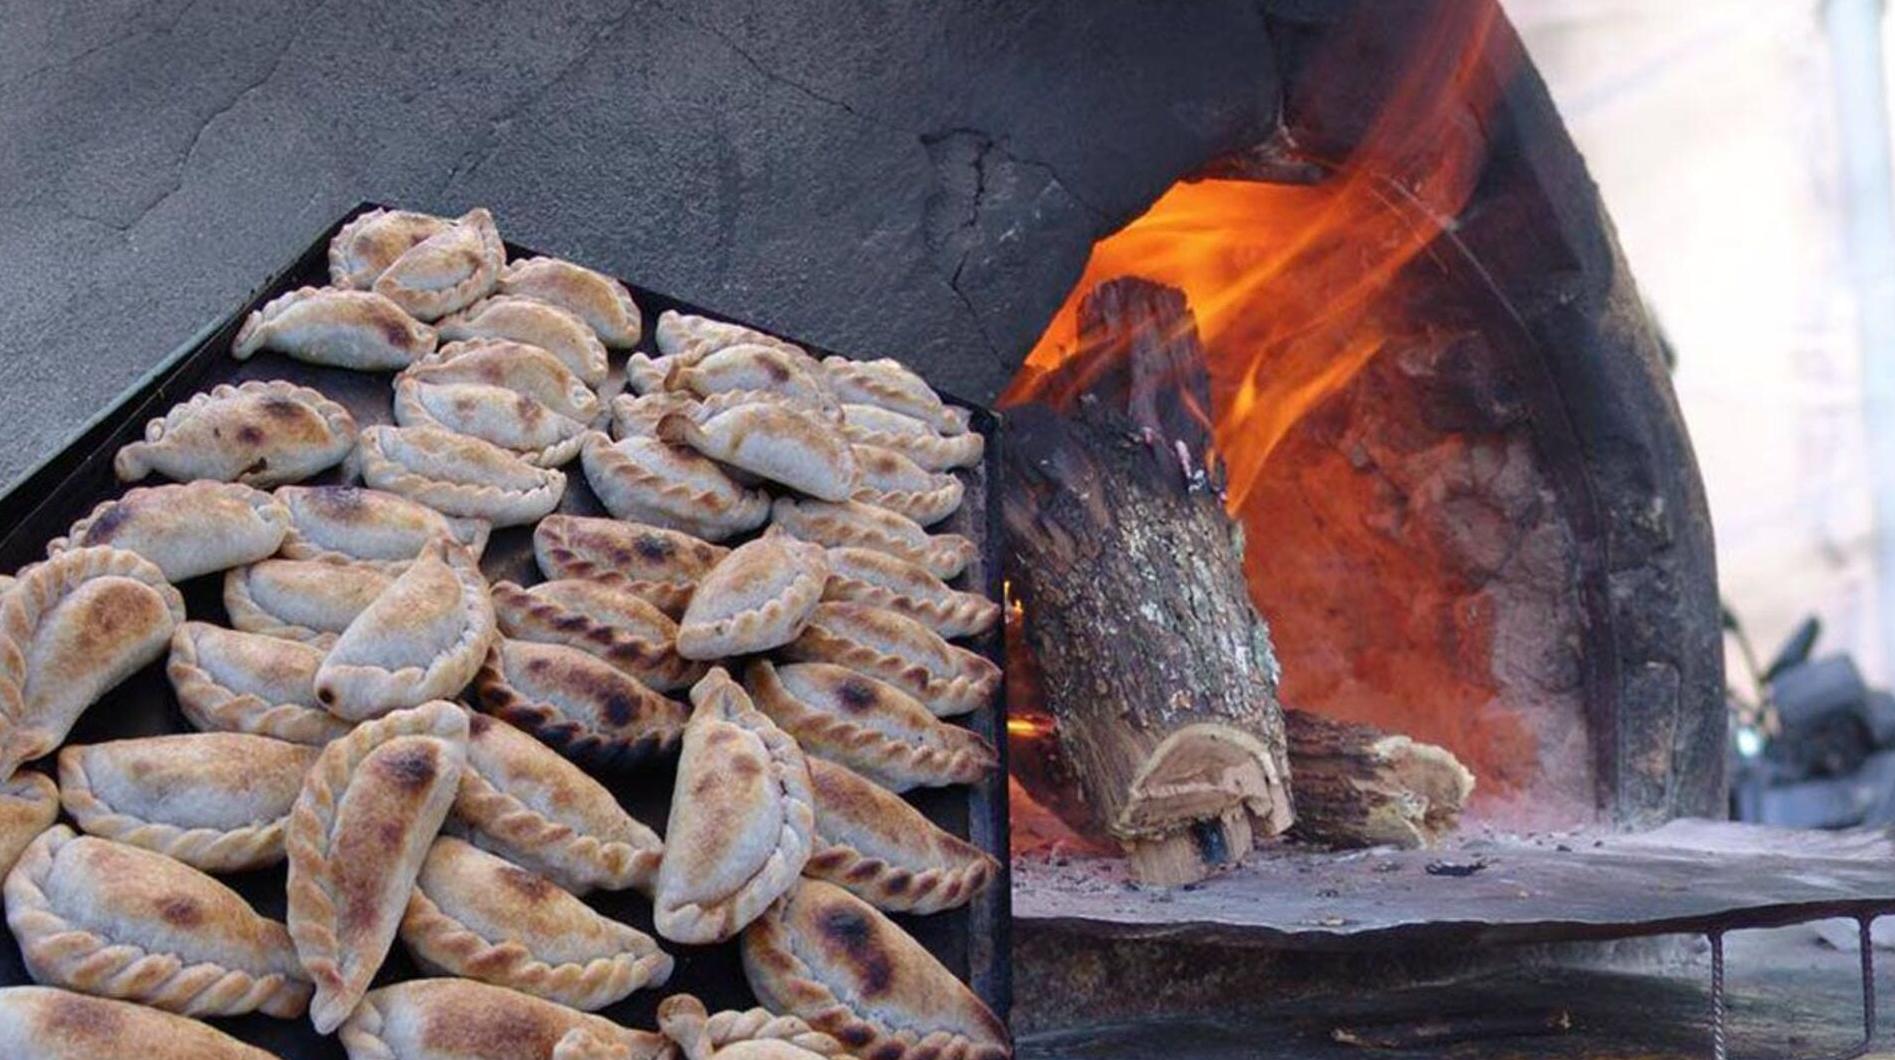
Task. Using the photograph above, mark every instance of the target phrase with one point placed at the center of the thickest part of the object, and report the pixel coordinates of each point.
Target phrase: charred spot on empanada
(659, 564)
(576, 703)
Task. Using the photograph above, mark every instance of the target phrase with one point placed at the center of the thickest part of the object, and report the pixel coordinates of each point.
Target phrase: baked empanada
(661, 565)
(558, 331)
(906, 588)
(891, 480)
(114, 920)
(478, 915)
(187, 529)
(775, 442)
(650, 481)
(827, 956)
(47, 1023)
(753, 367)
(599, 300)
(740, 824)
(216, 801)
(871, 842)
(258, 433)
(752, 1034)
(647, 375)
(874, 425)
(576, 703)
(686, 335)
(889, 384)
(516, 366)
(302, 599)
(459, 1019)
(853, 523)
(458, 475)
(350, 522)
(870, 726)
(755, 599)
(449, 270)
(422, 639)
(507, 418)
(637, 417)
(525, 803)
(602, 619)
(228, 681)
(368, 812)
(882, 644)
(328, 325)
(29, 804)
(370, 243)
(71, 630)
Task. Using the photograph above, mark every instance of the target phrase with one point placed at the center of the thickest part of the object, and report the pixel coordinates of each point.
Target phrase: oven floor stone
(1790, 995)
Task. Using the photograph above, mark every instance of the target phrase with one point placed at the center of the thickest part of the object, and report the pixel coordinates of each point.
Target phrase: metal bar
(1717, 995)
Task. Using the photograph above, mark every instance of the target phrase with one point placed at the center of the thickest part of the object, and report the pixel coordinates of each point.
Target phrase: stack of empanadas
(432, 754)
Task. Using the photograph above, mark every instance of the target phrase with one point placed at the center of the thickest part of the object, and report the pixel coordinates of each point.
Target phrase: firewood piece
(1358, 786)
(1155, 667)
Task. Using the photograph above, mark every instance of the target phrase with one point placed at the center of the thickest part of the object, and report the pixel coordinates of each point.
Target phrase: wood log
(1359, 786)
(1154, 666)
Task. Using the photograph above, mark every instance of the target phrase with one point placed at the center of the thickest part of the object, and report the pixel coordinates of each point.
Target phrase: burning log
(1358, 786)
(1154, 665)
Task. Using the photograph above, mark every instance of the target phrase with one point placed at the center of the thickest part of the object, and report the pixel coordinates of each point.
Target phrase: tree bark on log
(1153, 664)
(1357, 786)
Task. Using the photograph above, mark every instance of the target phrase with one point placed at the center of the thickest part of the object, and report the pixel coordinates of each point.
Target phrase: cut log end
(1204, 772)
(1359, 786)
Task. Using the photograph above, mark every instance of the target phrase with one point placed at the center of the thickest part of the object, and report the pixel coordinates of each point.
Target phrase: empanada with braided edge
(576, 703)
(868, 725)
(660, 565)
(879, 579)
(886, 852)
(422, 639)
(303, 599)
(890, 480)
(447, 271)
(47, 1022)
(647, 480)
(186, 529)
(353, 522)
(558, 331)
(912, 438)
(946, 679)
(261, 433)
(459, 1019)
(599, 300)
(227, 681)
(458, 475)
(773, 441)
(887, 383)
(605, 619)
(755, 1034)
(331, 326)
(365, 246)
(853, 523)
(755, 599)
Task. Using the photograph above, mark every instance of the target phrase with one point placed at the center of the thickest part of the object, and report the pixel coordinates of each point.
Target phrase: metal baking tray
(972, 941)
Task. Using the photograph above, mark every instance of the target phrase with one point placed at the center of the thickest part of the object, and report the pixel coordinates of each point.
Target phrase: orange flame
(1285, 280)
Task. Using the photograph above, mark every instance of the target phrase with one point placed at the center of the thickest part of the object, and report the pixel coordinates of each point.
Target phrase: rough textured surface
(868, 180)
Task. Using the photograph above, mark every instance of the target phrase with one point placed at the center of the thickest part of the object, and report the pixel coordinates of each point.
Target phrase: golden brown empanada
(599, 300)
(686, 335)
(603, 619)
(371, 243)
(890, 480)
(342, 328)
(752, 1034)
(827, 956)
(215, 801)
(907, 588)
(870, 726)
(946, 679)
(650, 481)
(755, 599)
(46, 1023)
(638, 416)
(351, 522)
(525, 803)
(114, 920)
(853, 523)
(661, 565)
(874, 425)
(753, 367)
(258, 433)
(558, 331)
(228, 681)
(775, 442)
(459, 1019)
(646, 375)
(29, 804)
(303, 599)
(423, 638)
(887, 383)
(576, 703)
(871, 842)
(740, 822)
(481, 916)
(516, 366)
(449, 270)
(71, 630)
(507, 418)
(186, 529)
(458, 475)
(368, 812)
